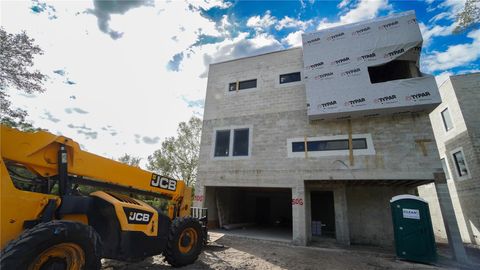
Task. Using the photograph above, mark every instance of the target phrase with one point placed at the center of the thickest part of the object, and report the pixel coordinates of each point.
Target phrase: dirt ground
(242, 253)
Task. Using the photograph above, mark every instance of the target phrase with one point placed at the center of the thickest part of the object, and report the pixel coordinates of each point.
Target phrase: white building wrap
(367, 69)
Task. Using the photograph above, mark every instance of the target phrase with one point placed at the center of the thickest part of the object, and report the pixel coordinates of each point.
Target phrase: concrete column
(298, 215)
(308, 214)
(449, 219)
(341, 215)
(199, 196)
(209, 202)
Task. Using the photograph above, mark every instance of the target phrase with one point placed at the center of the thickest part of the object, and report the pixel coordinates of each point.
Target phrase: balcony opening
(393, 70)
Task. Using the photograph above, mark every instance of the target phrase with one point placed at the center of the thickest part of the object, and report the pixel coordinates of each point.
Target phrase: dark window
(290, 77)
(460, 163)
(222, 143)
(447, 121)
(298, 147)
(27, 180)
(242, 85)
(445, 168)
(240, 142)
(359, 143)
(393, 70)
(329, 145)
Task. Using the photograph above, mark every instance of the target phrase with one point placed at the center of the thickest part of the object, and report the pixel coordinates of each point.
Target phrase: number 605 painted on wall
(297, 201)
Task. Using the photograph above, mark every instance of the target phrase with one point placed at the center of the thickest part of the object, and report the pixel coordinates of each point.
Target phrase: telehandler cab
(46, 223)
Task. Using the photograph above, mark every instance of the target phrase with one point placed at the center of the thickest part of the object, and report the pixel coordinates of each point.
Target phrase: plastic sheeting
(367, 69)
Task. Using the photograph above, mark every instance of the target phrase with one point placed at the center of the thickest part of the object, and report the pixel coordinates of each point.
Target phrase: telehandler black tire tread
(172, 255)
(20, 252)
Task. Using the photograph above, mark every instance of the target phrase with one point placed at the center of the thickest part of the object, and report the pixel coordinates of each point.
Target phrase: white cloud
(364, 10)
(468, 71)
(293, 39)
(439, 16)
(225, 26)
(261, 23)
(324, 23)
(240, 46)
(454, 6)
(429, 32)
(343, 4)
(208, 4)
(288, 22)
(455, 55)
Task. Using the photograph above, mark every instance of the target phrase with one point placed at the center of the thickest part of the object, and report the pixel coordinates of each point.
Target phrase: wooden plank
(305, 143)
(350, 143)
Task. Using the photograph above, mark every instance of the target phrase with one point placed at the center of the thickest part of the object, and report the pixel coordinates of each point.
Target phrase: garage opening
(323, 214)
(255, 212)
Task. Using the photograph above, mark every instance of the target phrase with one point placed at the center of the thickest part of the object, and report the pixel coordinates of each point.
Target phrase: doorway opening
(323, 214)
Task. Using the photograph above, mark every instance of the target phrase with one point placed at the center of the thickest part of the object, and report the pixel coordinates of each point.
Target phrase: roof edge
(256, 55)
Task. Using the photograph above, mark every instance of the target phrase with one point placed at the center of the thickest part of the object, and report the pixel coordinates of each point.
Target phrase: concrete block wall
(398, 155)
(268, 97)
(468, 190)
(460, 94)
(450, 101)
(369, 213)
(429, 193)
(467, 88)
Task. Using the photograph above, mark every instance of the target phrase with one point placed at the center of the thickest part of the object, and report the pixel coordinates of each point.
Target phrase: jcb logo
(137, 216)
(163, 182)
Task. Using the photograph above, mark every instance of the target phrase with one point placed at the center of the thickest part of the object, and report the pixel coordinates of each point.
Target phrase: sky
(123, 74)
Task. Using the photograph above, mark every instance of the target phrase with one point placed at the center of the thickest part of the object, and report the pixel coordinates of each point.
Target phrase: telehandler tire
(57, 244)
(185, 242)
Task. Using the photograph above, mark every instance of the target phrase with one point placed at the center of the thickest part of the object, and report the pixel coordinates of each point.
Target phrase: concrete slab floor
(330, 244)
(262, 233)
(445, 255)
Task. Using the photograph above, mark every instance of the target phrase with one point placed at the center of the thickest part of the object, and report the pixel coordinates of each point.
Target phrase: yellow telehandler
(46, 223)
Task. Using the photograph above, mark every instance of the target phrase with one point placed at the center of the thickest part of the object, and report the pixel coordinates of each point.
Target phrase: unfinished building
(309, 144)
(456, 125)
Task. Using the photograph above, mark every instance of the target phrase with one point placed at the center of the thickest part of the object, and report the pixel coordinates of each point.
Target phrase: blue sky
(123, 74)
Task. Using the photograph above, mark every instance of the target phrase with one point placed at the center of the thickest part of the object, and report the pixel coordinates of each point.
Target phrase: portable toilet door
(412, 227)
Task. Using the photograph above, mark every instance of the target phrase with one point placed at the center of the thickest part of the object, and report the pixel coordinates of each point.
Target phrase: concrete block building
(456, 126)
(264, 163)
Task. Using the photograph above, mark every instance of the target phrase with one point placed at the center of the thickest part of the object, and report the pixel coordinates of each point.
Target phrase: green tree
(16, 61)
(130, 160)
(469, 17)
(178, 156)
